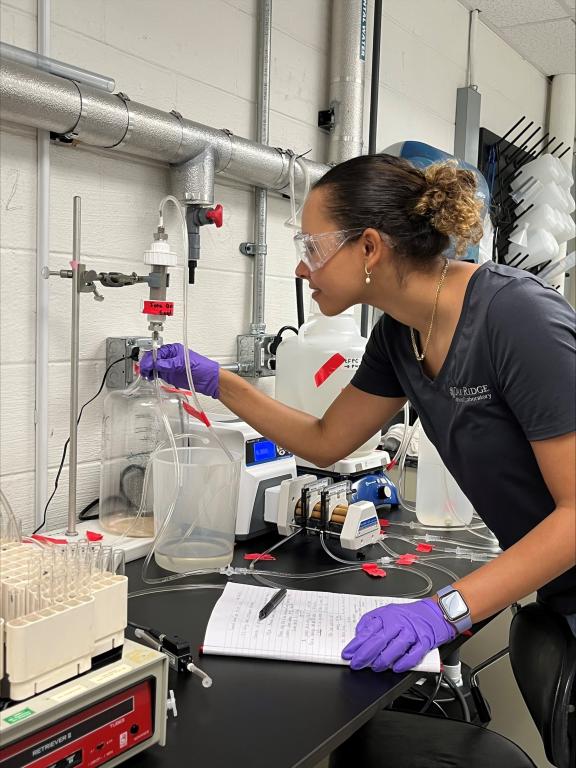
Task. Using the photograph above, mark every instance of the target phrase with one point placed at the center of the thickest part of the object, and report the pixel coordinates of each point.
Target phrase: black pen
(275, 600)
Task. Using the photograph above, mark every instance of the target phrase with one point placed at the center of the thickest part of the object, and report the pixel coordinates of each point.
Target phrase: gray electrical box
(121, 375)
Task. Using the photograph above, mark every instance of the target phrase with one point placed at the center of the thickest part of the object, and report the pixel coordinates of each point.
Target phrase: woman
(486, 355)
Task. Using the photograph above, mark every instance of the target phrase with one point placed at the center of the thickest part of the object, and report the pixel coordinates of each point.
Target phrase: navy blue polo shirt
(509, 378)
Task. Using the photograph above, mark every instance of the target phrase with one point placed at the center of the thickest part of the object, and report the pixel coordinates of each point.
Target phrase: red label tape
(329, 367)
(165, 308)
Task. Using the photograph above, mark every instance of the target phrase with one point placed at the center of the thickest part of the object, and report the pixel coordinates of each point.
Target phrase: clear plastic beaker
(200, 531)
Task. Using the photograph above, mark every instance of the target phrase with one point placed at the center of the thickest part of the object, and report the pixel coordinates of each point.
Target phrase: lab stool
(543, 658)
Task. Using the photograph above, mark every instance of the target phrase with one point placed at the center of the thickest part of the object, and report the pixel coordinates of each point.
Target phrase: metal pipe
(375, 76)
(112, 121)
(41, 60)
(42, 258)
(74, 368)
(258, 326)
(347, 66)
(472, 48)
(373, 130)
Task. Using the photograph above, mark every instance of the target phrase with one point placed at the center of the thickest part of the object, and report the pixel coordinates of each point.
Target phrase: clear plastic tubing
(59, 68)
(9, 510)
(410, 569)
(184, 232)
(170, 511)
(457, 542)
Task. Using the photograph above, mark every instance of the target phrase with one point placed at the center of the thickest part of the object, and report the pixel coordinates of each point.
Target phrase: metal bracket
(251, 249)
(254, 357)
(327, 119)
(124, 96)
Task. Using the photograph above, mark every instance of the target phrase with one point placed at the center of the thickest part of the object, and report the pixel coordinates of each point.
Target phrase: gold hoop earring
(367, 272)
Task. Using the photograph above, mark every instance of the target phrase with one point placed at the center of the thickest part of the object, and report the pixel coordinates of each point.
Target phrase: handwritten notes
(306, 626)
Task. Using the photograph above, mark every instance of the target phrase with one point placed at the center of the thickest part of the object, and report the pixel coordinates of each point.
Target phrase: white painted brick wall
(197, 56)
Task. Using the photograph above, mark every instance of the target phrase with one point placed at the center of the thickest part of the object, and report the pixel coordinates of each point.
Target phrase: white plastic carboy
(439, 499)
(313, 367)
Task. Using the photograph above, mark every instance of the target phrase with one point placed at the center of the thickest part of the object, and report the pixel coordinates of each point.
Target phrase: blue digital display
(264, 450)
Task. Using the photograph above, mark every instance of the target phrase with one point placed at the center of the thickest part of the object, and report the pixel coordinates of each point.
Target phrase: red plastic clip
(200, 415)
(391, 464)
(93, 536)
(424, 547)
(384, 523)
(373, 570)
(407, 559)
(258, 556)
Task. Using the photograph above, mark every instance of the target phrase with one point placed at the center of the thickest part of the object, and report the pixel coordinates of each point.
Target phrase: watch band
(462, 624)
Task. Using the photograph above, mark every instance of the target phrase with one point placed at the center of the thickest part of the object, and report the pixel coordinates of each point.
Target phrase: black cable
(278, 338)
(431, 697)
(442, 710)
(300, 301)
(67, 443)
(135, 625)
(83, 515)
(458, 694)
(373, 130)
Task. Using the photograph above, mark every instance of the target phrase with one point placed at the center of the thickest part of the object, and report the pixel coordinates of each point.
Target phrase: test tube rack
(61, 606)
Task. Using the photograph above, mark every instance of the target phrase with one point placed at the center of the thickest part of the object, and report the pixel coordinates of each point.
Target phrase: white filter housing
(160, 254)
(315, 366)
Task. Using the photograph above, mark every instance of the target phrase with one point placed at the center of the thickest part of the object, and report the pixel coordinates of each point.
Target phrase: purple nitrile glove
(398, 635)
(171, 368)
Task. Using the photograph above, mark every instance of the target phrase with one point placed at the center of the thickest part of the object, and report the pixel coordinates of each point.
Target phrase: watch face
(454, 606)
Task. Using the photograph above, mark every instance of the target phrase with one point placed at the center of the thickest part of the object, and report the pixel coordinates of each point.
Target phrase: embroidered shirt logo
(471, 394)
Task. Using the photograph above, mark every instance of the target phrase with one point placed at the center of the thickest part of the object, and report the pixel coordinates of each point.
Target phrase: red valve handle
(216, 215)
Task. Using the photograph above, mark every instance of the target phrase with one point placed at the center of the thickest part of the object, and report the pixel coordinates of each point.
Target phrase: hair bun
(450, 203)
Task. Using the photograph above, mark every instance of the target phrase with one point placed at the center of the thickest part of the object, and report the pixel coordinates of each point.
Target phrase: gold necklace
(421, 356)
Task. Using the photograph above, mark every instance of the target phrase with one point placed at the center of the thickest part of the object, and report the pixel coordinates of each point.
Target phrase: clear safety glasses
(316, 250)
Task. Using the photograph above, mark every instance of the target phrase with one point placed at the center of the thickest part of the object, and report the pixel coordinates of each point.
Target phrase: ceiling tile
(506, 13)
(549, 46)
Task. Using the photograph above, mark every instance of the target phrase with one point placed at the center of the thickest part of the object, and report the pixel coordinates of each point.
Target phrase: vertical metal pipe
(42, 259)
(562, 122)
(373, 131)
(74, 367)
(472, 48)
(375, 77)
(258, 325)
(347, 66)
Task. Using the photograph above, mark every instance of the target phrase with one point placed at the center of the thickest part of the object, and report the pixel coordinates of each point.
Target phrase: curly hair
(451, 203)
(420, 210)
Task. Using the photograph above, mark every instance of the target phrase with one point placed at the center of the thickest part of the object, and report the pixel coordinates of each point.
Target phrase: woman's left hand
(398, 635)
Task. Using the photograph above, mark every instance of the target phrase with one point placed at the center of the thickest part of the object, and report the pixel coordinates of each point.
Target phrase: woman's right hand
(171, 368)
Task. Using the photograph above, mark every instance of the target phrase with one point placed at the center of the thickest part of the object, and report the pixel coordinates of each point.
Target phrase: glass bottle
(132, 429)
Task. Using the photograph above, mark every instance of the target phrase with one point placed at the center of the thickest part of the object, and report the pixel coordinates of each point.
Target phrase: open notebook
(306, 626)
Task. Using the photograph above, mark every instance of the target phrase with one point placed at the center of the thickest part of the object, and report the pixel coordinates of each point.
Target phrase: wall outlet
(121, 375)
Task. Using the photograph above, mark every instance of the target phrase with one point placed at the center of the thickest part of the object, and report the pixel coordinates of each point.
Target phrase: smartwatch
(454, 608)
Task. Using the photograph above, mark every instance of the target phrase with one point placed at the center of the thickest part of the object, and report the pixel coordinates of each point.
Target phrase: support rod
(74, 368)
